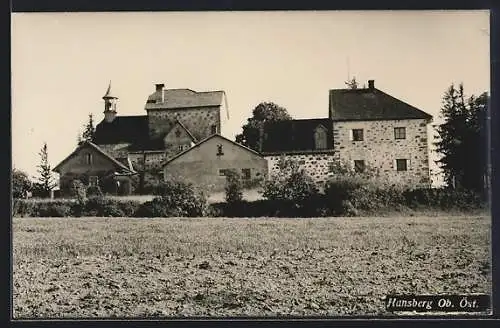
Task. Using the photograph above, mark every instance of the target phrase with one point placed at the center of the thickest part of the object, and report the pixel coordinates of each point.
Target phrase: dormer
(320, 137)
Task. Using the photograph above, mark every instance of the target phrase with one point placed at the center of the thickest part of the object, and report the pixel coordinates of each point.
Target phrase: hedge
(355, 202)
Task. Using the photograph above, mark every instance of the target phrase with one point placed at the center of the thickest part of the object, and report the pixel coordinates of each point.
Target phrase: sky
(62, 63)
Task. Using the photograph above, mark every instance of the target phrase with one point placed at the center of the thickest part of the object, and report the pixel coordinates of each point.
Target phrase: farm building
(181, 135)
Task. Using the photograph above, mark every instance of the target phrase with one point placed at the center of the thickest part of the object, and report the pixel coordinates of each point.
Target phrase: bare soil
(123, 267)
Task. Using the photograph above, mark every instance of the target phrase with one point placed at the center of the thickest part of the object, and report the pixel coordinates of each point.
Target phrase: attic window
(88, 158)
(213, 129)
(177, 133)
(219, 150)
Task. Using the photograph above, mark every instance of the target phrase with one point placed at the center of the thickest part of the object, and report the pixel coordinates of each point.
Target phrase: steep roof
(370, 104)
(120, 166)
(294, 135)
(177, 122)
(205, 140)
(109, 94)
(123, 129)
(184, 98)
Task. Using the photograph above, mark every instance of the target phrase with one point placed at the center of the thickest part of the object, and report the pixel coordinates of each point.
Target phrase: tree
(461, 139)
(21, 183)
(88, 132)
(233, 187)
(352, 84)
(262, 113)
(45, 180)
(79, 138)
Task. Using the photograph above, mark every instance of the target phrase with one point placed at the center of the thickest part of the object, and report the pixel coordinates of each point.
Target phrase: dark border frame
(230, 5)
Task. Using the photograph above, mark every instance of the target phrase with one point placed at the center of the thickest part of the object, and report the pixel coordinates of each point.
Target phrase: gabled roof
(184, 98)
(85, 144)
(295, 135)
(123, 129)
(205, 140)
(370, 104)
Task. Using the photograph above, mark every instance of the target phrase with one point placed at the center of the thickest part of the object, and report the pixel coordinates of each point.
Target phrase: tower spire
(109, 105)
(108, 92)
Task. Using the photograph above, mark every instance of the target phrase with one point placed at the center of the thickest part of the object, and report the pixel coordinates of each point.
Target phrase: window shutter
(408, 164)
(351, 135)
(395, 165)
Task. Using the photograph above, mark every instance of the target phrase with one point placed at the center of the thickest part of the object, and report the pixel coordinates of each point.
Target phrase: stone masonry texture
(197, 120)
(380, 149)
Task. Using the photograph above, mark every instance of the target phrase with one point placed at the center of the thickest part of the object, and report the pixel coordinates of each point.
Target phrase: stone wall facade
(116, 150)
(380, 149)
(316, 164)
(198, 121)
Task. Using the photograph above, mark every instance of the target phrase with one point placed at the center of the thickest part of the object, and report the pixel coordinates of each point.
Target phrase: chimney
(371, 84)
(159, 88)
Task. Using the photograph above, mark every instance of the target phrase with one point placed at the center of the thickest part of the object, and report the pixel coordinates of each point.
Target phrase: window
(88, 159)
(213, 129)
(399, 133)
(219, 150)
(181, 147)
(93, 181)
(401, 164)
(320, 137)
(359, 166)
(224, 172)
(246, 174)
(357, 134)
(177, 133)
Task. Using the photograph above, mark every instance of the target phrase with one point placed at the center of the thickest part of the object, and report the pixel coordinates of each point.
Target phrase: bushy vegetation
(291, 193)
(175, 198)
(233, 188)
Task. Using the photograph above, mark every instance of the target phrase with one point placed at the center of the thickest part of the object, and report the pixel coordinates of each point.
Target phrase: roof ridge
(205, 140)
(93, 145)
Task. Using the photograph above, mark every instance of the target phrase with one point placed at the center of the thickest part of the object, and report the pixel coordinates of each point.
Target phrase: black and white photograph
(251, 164)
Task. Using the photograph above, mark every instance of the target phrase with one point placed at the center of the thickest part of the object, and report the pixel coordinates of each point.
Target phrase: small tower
(109, 105)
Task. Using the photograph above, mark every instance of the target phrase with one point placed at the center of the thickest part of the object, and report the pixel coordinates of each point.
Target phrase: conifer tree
(45, 179)
(89, 129)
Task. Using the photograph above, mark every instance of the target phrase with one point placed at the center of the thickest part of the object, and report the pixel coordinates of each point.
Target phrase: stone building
(365, 127)
(181, 136)
(175, 120)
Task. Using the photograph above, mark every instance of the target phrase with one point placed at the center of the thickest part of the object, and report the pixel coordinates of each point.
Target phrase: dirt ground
(120, 267)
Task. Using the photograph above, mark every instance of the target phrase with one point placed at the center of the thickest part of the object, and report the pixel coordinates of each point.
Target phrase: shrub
(21, 184)
(94, 191)
(23, 208)
(107, 207)
(291, 186)
(53, 209)
(79, 191)
(175, 198)
(233, 187)
(443, 198)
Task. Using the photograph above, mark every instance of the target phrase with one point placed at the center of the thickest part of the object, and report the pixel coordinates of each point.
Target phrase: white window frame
(93, 181)
(396, 164)
(399, 127)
